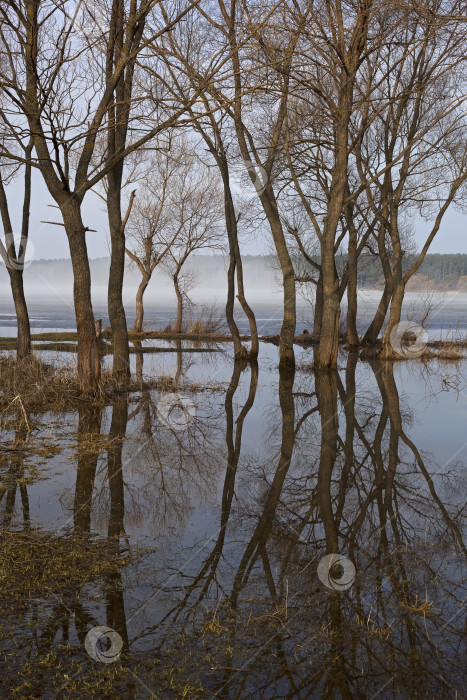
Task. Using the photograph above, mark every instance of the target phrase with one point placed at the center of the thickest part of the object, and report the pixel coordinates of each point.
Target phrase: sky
(50, 242)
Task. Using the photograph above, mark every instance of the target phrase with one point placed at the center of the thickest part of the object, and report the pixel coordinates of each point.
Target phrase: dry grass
(34, 385)
(208, 322)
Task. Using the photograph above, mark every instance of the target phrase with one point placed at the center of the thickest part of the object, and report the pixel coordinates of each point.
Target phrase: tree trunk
(117, 317)
(229, 306)
(236, 267)
(318, 317)
(326, 356)
(178, 322)
(352, 334)
(138, 326)
(286, 350)
(15, 266)
(373, 330)
(387, 351)
(23, 343)
(254, 348)
(88, 354)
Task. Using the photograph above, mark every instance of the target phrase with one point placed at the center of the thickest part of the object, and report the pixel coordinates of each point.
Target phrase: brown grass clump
(208, 322)
(31, 384)
(35, 384)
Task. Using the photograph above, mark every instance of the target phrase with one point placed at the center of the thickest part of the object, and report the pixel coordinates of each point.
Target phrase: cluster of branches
(347, 118)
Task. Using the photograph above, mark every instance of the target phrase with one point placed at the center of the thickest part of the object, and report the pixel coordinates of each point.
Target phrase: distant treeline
(439, 271)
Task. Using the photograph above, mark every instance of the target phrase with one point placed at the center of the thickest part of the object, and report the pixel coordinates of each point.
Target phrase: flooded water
(264, 534)
(448, 312)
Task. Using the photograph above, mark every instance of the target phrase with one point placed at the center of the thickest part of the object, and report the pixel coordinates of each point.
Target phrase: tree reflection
(338, 472)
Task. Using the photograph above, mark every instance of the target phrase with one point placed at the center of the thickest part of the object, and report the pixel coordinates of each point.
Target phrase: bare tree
(423, 120)
(196, 214)
(14, 251)
(151, 227)
(61, 86)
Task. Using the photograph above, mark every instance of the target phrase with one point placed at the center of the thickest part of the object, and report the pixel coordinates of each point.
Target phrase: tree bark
(23, 342)
(117, 316)
(229, 306)
(352, 334)
(138, 325)
(394, 317)
(15, 270)
(178, 322)
(326, 356)
(374, 329)
(88, 353)
(318, 315)
(236, 270)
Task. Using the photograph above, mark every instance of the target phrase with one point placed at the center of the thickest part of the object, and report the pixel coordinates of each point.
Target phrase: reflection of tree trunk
(348, 402)
(16, 481)
(89, 428)
(326, 392)
(138, 326)
(115, 603)
(179, 295)
(139, 360)
(114, 465)
(178, 373)
(257, 544)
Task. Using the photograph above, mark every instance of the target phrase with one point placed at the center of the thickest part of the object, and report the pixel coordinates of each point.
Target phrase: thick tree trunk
(374, 329)
(138, 325)
(88, 353)
(117, 317)
(179, 295)
(326, 356)
(23, 342)
(387, 351)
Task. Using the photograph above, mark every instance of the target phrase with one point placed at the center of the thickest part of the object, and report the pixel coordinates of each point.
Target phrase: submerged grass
(34, 563)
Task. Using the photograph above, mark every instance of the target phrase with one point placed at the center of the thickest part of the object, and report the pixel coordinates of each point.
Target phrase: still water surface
(220, 514)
